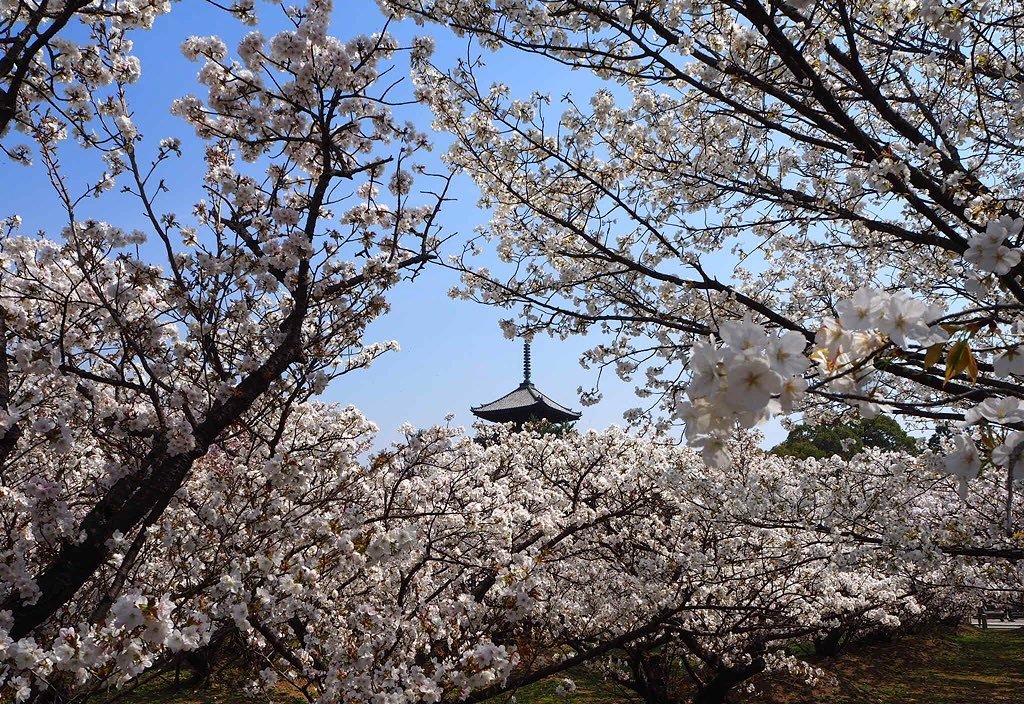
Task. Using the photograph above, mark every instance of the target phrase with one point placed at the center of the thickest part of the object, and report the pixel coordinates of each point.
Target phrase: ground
(953, 665)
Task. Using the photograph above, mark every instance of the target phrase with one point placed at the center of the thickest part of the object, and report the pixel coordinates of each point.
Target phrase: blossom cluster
(988, 250)
(739, 383)
(340, 574)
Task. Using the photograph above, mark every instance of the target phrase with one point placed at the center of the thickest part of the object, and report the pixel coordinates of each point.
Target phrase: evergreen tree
(846, 439)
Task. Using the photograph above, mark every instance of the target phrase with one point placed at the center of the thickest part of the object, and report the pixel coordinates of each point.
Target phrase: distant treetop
(846, 439)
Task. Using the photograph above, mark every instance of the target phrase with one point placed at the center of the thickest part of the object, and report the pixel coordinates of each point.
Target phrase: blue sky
(453, 355)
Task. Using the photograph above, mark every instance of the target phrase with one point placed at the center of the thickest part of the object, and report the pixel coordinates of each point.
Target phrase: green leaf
(960, 359)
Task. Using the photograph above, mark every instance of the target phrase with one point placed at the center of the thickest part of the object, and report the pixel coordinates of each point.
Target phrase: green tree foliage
(846, 439)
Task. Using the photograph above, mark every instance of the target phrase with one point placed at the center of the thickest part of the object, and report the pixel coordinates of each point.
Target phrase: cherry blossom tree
(773, 207)
(732, 566)
(446, 570)
(130, 354)
(169, 482)
(50, 57)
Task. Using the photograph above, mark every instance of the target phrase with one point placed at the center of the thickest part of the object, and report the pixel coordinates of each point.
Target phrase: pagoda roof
(523, 404)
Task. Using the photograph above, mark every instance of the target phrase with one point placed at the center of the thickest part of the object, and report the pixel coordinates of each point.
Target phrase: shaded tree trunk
(831, 643)
(717, 689)
(651, 673)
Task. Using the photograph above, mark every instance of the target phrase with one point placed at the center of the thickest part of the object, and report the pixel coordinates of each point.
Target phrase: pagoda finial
(526, 363)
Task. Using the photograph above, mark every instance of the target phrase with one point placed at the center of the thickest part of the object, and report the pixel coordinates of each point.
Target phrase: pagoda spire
(526, 363)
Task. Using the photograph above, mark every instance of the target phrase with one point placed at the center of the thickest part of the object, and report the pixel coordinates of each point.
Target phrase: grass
(590, 689)
(226, 687)
(949, 666)
(959, 665)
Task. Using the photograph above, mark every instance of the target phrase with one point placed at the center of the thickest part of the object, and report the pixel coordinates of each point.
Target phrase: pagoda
(525, 403)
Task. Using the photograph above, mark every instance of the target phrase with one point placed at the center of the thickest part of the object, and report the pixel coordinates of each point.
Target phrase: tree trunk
(831, 643)
(143, 495)
(653, 682)
(716, 690)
